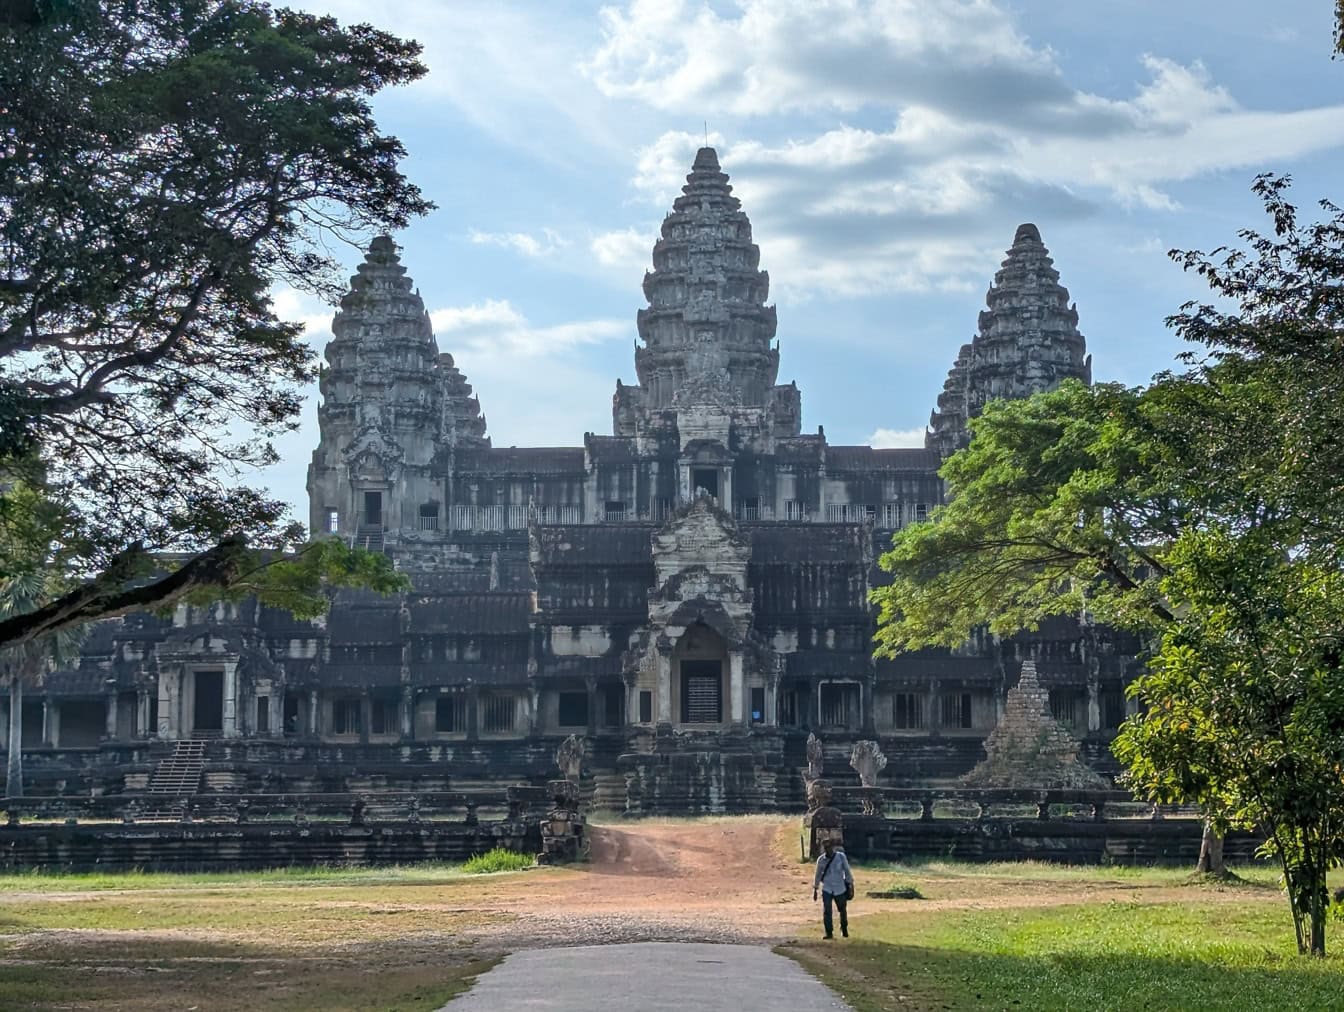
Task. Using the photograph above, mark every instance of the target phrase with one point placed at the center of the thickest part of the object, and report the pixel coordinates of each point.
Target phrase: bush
(495, 860)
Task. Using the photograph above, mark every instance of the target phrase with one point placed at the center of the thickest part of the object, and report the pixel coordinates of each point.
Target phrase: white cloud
(627, 249)
(494, 329)
(547, 243)
(886, 439)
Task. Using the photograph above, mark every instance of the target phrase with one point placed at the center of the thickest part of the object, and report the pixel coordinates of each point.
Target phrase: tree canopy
(163, 165)
(1201, 511)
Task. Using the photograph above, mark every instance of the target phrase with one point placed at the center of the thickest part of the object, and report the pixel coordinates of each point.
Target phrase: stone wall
(207, 847)
(1066, 841)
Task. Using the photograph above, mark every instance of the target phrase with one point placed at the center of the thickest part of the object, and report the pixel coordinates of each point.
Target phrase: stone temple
(688, 593)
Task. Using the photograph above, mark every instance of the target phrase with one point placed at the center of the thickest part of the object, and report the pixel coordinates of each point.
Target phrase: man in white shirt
(835, 881)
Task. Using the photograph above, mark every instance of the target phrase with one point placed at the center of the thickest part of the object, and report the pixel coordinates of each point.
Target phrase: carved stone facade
(1027, 342)
(692, 588)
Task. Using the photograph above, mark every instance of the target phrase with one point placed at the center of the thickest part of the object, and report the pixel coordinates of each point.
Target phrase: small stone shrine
(1029, 748)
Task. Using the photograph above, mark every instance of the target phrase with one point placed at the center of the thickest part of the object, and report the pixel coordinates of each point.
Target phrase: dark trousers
(826, 922)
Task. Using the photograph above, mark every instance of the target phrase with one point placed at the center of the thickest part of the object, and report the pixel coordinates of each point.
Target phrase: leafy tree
(1202, 512)
(163, 164)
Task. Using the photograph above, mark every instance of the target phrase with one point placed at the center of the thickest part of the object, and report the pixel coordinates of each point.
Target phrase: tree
(1202, 512)
(163, 164)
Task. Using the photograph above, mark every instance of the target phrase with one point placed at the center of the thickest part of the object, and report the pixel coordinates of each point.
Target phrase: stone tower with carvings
(1027, 341)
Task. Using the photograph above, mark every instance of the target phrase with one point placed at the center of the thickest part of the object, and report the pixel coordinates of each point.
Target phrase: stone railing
(929, 803)
(356, 809)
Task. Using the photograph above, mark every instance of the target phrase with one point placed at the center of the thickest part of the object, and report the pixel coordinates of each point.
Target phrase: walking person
(836, 882)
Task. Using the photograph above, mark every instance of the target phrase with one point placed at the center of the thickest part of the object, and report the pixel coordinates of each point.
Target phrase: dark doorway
(701, 692)
(373, 509)
(614, 712)
(291, 716)
(207, 712)
(706, 478)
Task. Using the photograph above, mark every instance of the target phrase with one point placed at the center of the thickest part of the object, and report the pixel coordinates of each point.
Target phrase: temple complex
(689, 594)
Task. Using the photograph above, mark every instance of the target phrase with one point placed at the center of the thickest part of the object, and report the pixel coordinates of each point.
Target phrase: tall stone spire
(389, 400)
(1027, 341)
(707, 331)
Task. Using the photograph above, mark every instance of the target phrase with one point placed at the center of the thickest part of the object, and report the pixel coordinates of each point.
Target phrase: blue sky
(884, 151)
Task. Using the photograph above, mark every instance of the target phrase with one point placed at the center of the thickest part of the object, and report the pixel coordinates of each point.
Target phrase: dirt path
(712, 881)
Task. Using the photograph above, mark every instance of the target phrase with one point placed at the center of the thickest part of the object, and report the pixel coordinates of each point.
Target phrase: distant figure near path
(649, 976)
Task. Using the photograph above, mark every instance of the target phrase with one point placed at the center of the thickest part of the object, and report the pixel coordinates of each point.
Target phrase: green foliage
(1201, 512)
(1054, 508)
(496, 860)
(163, 165)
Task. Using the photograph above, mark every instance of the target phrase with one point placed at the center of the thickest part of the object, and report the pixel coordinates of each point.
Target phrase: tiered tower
(390, 401)
(1028, 341)
(707, 331)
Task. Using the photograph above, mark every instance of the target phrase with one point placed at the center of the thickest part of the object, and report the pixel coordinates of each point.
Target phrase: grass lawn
(1145, 939)
(314, 938)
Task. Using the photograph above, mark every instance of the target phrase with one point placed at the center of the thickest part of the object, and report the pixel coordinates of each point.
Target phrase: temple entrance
(699, 677)
(701, 692)
(706, 478)
(207, 707)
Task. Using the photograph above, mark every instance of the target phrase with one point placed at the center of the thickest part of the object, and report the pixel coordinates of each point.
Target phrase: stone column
(866, 708)
(407, 713)
(276, 718)
(935, 710)
(1093, 705)
(736, 707)
(142, 713)
(771, 701)
(473, 713)
(314, 715)
(590, 684)
(170, 685)
(365, 716)
(110, 714)
(664, 687)
(230, 699)
(51, 723)
(726, 488)
(4, 725)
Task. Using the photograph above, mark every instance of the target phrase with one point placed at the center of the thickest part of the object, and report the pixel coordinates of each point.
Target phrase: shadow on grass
(154, 974)
(879, 976)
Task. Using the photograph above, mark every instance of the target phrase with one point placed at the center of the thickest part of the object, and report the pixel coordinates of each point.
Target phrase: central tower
(707, 368)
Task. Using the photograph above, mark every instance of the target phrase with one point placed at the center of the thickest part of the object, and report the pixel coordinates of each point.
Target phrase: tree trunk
(1211, 853)
(14, 770)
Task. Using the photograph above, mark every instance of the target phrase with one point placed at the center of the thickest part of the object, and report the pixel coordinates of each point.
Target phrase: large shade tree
(1201, 512)
(164, 164)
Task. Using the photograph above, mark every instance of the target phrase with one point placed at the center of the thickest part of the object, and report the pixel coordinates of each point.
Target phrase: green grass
(1200, 953)
(498, 859)
(55, 880)
(1046, 871)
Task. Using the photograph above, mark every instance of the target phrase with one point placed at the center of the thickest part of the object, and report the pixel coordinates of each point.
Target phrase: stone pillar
(276, 718)
(1093, 705)
(314, 714)
(110, 714)
(230, 699)
(935, 710)
(167, 722)
(683, 482)
(771, 701)
(866, 708)
(51, 724)
(664, 687)
(590, 684)
(365, 716)
(407, 713)
(4, 724)
(142, 729)
(726, 488)
(473, 713)
(737, 707)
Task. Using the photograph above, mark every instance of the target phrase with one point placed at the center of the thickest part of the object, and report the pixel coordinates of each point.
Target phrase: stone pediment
(701, 535)
(372, 455)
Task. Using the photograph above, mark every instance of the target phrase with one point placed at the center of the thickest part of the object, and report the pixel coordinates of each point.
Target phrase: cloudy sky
(884, 151)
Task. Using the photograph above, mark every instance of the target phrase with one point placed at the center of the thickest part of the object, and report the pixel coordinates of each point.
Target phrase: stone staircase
(608, 792)
(179, 774)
